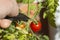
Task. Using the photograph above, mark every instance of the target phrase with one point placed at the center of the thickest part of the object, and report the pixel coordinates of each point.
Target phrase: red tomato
(36, 27)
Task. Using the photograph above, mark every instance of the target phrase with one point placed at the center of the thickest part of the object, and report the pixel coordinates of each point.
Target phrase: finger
(5, 23)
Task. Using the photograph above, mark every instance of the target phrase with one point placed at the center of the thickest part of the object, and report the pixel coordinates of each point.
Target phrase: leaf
(19, 1)
(44, 15)
(9, 36)
(26, 1)
(23, 31)
(1, 30)
(22, 37)
(46, 37)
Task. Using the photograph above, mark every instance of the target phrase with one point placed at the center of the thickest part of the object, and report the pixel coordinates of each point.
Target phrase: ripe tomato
(35, 27)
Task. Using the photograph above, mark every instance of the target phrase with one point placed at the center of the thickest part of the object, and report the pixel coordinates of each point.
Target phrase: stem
(35, 35)
(35, 21)
(28, 9)
(37, 12)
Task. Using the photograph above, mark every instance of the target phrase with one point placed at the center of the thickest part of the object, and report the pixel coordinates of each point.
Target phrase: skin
(7, 8)
(10, 8)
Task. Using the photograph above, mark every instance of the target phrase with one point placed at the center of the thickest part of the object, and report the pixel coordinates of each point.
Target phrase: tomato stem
(28, 8)
(35, 35)
(37, 11)
(35, 21)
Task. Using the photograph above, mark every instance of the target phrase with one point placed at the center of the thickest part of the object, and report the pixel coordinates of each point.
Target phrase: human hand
(7, 8)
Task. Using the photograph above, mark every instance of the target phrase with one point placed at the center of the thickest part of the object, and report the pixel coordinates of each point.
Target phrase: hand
(7, 8)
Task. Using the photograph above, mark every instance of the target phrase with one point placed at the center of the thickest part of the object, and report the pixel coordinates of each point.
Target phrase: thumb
(5, 23)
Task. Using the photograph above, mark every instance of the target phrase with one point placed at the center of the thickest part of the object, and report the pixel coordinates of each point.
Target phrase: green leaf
(9, 36)
(1, 30)
(46, 37)
(19, 1)
(22, 37)
(32, 7)
(26, 1)
(44, 15)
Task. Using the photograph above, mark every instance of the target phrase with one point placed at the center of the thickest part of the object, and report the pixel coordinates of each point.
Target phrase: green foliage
(50, 9)
(25, 1)
(14, 33)
(19, 1)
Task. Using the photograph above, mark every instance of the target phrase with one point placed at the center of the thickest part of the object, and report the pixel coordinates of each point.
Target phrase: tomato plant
(35, 27)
